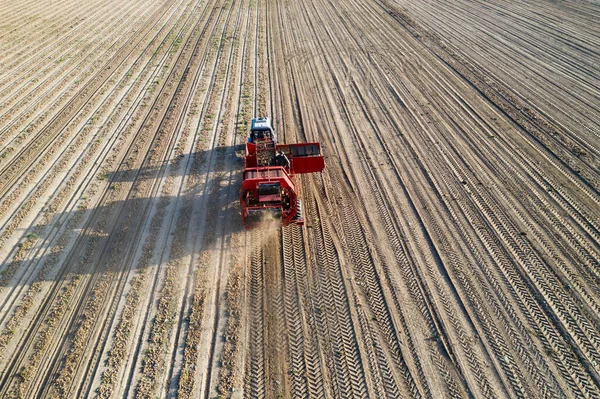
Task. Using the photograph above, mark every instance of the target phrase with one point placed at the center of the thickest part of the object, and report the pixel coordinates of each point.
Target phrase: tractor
(269, 190)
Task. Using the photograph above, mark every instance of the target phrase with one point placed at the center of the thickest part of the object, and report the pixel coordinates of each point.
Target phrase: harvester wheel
(298, 215)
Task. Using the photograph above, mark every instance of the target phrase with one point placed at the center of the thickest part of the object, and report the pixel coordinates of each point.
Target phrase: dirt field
(451, 246)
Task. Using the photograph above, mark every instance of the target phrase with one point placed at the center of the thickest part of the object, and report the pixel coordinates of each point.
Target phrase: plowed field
(451, 246)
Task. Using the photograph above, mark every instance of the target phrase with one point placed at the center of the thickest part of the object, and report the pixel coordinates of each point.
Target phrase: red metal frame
(249, 197)
(303, 158)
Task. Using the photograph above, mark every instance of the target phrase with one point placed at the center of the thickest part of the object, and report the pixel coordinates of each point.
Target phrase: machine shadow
(112, 237)
(204, 157)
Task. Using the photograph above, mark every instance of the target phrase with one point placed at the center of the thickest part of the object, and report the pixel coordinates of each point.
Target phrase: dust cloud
(268, 229)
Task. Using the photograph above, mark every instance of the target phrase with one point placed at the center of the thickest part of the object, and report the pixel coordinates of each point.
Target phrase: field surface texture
(451, 246)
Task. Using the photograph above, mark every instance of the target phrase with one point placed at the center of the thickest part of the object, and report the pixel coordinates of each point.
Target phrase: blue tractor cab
(261, 130)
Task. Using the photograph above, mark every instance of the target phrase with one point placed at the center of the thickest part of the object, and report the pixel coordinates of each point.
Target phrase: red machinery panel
(269, 189)
(304, 157)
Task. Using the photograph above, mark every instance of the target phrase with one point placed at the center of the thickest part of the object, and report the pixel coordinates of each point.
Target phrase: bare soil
(451, 246)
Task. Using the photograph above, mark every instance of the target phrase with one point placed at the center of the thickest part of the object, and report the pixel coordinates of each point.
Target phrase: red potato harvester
(269, 190)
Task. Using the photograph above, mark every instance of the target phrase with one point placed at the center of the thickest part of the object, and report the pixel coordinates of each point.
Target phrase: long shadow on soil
(109, 240)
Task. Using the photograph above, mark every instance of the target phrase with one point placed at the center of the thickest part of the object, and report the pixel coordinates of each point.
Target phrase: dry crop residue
(451, 246)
